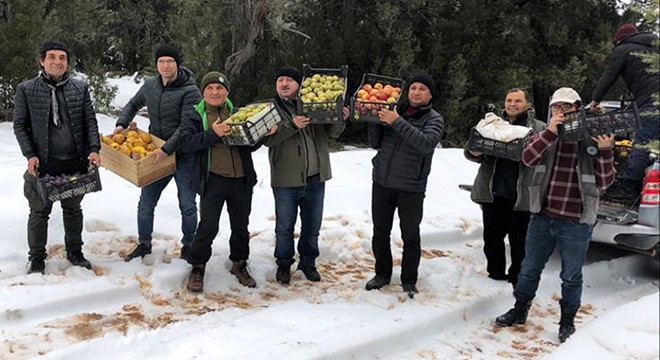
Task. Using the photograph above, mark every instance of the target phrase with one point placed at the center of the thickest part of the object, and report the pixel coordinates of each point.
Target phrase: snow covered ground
(141, 310)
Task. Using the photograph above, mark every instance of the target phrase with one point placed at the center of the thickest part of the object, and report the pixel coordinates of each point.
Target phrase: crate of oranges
(129, 155)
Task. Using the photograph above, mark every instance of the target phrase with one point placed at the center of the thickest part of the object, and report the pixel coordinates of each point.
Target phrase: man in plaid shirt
(568, 178)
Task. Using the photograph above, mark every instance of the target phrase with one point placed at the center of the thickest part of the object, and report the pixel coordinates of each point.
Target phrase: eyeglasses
(562, 107)
(166, 62)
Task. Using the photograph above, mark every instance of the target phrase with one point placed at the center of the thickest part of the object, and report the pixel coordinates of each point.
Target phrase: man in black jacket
(222, 174)
(406, 142)
(167, 96)
(56, 128)
(642, 84)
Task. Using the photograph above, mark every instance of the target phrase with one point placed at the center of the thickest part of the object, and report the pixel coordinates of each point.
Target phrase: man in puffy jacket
(167, 96)
(563, 195)
(299, 167)
(501, 189)
(406, 142)
(642, 84)
(56, 128)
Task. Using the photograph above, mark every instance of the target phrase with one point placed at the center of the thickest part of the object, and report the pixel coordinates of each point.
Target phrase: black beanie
(214, 77)
(425, 79)
(52, 45)
(169, 50)
(291, 72)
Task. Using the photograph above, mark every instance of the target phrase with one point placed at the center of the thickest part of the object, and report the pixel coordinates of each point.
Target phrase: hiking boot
(310, 273)
(37, 265)
(410, 289)
(566, 323)
(516, 316)
(196, 279)
(283, 275)
(77, 258)
(377, 282)
(140, 251)
(502, 277)
(185, 249)
(240, 270)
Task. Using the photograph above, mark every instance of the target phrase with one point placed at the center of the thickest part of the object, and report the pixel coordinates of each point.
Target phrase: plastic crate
(51, 189)
(324, 112)
(255, 128)
(367, 111)
(511, 150)
(580, 124)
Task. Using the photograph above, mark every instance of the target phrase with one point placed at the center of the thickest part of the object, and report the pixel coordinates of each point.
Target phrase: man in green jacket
(167, 96)
(501, 189)
(299, 166)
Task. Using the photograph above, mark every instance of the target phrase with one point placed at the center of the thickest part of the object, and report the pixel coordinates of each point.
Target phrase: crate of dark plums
(52, 188)
(322, 94)
(583, 124)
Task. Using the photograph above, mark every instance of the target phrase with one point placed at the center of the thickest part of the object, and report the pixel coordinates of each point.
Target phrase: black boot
(37, 265)
(283, 275)
(566, 323)
(377, 282)
(77, 258)
(140, 251)
(410, 290)
(185, 249)
(515, 316)
(310, 273)
(196, 278)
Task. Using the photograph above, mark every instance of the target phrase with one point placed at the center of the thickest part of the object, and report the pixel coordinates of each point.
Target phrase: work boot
(240, 270)
(515, 316)
(140, 251)
(37, 265)
(410, 290)
(196, 279)
(310, 273)
(377, 282)
(77, 258)
(566, 325)
(283, 275)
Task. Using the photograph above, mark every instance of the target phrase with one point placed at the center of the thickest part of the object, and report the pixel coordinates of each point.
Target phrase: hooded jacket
(165, 105)
(631, 67)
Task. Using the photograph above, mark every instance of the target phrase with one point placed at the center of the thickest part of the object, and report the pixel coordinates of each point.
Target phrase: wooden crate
(139, 172)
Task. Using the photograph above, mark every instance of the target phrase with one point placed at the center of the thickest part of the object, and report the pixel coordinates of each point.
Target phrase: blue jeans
(649, 129)
(287, 201)
(187, 205)
(543, 234)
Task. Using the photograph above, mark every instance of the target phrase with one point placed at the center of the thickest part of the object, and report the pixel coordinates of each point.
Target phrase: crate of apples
(376, 92)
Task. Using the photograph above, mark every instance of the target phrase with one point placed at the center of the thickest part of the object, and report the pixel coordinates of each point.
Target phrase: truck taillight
(651, 189)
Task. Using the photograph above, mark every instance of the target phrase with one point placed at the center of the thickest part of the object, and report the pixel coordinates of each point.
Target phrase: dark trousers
(37, 228)
(384, 202)
(238, 196)
(501, 220)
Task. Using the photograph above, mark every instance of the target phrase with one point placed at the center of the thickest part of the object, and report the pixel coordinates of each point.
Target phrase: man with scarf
(405, 141)
(299, 167)
(55, 125)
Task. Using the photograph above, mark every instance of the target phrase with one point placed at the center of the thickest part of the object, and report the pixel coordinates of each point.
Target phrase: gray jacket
(405, 149)
(482, 190)
(165, 106)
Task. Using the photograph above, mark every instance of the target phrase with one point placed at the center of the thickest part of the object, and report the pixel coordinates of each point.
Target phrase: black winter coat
(199, 141)
(631, 67)
(405, 149)
(32, 107)
(165, 106)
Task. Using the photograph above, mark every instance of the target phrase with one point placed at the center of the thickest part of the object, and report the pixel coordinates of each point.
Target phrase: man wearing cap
(406, 142)
(55, 125)
(500, 188)
(564, 203)
(222, 174)
(642, 84)
(299, 167)
(167, 96)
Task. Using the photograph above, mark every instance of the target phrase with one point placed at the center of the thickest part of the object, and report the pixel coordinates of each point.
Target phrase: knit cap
(291, 72)
(624, 31)
(169, 50)
(214, 77)
(52, 45)
(425, 79)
